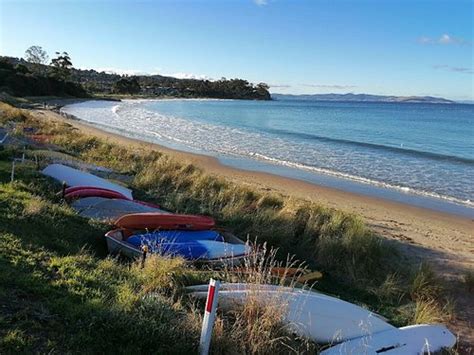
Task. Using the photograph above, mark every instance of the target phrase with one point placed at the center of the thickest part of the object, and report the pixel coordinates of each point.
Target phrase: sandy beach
(446, 241)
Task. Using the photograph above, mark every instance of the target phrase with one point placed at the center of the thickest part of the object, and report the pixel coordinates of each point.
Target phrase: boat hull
(117, 245)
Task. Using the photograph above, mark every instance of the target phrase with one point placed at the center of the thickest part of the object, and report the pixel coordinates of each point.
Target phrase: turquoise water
(414, 149)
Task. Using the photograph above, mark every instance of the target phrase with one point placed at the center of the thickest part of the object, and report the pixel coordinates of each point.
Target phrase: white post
(12, 177)
(209, 317)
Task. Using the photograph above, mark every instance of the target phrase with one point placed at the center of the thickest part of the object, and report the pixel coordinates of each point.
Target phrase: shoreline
(324, 177)
(444, 240)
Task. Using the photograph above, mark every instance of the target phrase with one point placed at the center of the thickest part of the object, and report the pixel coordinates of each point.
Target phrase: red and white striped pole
(209, 316)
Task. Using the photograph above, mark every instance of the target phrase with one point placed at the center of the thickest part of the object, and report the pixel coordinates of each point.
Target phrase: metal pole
(209, 317)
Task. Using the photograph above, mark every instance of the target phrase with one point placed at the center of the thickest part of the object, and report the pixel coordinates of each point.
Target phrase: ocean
(422, 154)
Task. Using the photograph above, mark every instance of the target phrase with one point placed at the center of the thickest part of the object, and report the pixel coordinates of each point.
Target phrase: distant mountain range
(364, 98)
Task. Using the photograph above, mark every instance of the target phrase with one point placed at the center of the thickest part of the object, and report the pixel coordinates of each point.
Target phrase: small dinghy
(203, 246)
(152, 221)
(74, 177)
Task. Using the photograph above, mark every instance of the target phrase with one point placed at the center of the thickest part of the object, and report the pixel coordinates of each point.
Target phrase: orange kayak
(154, 220)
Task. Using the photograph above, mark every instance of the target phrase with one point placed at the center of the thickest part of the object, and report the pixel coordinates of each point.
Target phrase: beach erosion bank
(442, 239)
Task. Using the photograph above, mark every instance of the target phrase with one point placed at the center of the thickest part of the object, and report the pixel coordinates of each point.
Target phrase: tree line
(35, 74)
(32, 77)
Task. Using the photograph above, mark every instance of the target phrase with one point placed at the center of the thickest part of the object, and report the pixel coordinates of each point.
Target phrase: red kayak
(77, 188)
(75, 192)
(94, 193)
(154, 220)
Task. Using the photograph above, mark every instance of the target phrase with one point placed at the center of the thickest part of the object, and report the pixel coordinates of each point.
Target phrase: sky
(389, 47)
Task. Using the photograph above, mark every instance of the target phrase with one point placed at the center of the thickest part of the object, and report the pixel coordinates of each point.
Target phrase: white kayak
(322, 318)
(411, 340)
(74, 177)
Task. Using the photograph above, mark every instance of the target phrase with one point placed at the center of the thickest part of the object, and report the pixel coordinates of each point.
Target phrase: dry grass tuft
(469, 280)
(258, 327)
(425, 284)
(391, 290)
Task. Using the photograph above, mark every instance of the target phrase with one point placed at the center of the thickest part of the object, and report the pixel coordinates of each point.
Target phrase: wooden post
(63, 192)
(145, 251)
(12, 177)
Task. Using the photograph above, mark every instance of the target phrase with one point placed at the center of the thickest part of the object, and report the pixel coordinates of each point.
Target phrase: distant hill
(364, 98)
(20, 74)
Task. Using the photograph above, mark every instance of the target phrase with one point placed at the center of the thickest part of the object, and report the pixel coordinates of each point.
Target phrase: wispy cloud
(279, 85)
(261, 2)
(128, 72)
(120, 71)
(444, 39)
(330, 86)
(464, 70)
(189, 76)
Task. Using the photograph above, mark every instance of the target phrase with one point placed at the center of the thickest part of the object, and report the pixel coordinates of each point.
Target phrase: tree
(36, 55)
(127, 86)
(20, 68)
(262, 91)
(61, 66)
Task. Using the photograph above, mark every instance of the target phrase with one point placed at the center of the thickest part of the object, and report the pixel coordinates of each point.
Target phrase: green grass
(62, 293)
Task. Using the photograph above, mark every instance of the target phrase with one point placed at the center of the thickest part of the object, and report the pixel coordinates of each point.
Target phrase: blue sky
(405, 47)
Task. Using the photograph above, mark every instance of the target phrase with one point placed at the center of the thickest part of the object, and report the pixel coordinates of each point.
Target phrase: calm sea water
(421, 149)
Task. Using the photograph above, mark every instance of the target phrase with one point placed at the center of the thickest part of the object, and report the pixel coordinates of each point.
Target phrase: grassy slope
(62, 293)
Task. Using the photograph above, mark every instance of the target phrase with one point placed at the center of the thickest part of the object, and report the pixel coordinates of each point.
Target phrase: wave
(413, 152)
(363, 180)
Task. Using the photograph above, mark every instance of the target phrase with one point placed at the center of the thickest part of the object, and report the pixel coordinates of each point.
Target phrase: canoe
(109, 209)
(411, 340)
(321, 318)
(164, 221)
(94, 192)
(74, 177)
(225, 250)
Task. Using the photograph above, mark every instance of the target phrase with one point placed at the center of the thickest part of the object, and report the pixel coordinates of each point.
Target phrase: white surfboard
(322, 318)
(411, 340)
(74, 177)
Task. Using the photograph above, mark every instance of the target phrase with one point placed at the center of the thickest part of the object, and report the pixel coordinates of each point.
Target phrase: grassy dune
(63, 294)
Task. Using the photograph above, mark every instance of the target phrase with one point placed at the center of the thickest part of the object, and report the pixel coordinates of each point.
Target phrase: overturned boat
(187, 236)
(73, 177)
